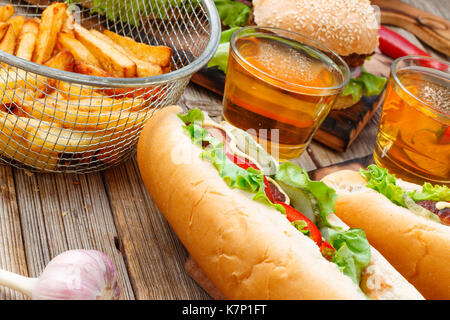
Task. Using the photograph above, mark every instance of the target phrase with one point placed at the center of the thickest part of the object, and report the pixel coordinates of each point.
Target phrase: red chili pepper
(293, 215)
(395, 46)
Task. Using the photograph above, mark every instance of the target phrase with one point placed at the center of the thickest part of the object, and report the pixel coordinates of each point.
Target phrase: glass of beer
(414, 135)
(280, 86)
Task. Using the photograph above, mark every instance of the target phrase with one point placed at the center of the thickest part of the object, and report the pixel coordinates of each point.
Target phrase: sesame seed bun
(344, 26)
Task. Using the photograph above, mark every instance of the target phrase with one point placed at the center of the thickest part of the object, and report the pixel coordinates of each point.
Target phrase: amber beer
(414, 135)
(279, 88)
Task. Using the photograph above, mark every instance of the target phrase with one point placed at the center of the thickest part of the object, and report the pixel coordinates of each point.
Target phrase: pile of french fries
(43, 118)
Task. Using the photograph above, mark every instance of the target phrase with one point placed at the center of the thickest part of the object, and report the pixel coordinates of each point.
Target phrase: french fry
(76, 92)
(79, 117)
(8, 42)
(6, 12)
(68, 26)
(9, 97)
(96, 100)
(3, 29)
(51, 139)
(110, 58)
(52, 20)
(62, 61)
(117, 93)
(39, 143)
(11, 80)
(90, 70)
(27, 39)
(159, 55)
(143, 68)
(15, 143)
(79, 51)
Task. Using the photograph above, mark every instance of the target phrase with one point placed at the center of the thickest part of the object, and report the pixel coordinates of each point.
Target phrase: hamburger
(347, 27)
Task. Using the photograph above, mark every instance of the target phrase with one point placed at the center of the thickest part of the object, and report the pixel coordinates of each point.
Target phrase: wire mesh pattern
(57, 121)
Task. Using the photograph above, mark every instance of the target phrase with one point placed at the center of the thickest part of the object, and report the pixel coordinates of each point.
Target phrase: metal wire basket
(43, 136)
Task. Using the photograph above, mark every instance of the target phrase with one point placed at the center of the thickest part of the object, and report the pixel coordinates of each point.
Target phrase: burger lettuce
(232, 13)
(220, 58)
(367, 84)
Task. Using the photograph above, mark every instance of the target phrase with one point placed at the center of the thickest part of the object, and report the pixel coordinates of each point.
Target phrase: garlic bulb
(72, 275)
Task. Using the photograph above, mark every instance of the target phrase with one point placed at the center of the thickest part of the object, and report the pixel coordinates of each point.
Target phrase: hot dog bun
(247, 249)
(418, 247)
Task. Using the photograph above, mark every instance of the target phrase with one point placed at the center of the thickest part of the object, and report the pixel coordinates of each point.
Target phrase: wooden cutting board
(341, 127)
(197, 274)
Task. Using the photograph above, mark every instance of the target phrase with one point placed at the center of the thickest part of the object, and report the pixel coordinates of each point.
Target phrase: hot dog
(408, 223)
(259, 230)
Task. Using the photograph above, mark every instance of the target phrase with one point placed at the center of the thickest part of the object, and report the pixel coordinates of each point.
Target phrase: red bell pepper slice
(293, 215)
(395, 46)
(327, 250)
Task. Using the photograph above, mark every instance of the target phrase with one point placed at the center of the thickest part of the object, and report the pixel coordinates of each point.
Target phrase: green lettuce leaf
(380, 180)
(301, 226)
(236, 177)
(366, 84)
(232, 13)
(193, 115)
(354, 88)
(430, 192)
(325, 197)
(200, 135)
(220, 58)
(352, 252)
(250, 179)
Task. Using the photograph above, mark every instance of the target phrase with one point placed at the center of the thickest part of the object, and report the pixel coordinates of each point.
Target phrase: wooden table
(42, 215)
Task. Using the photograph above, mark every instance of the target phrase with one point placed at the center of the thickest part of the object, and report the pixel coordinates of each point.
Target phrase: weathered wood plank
(67, 212)
(154, 255)
(32, 219)
(12, 257)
